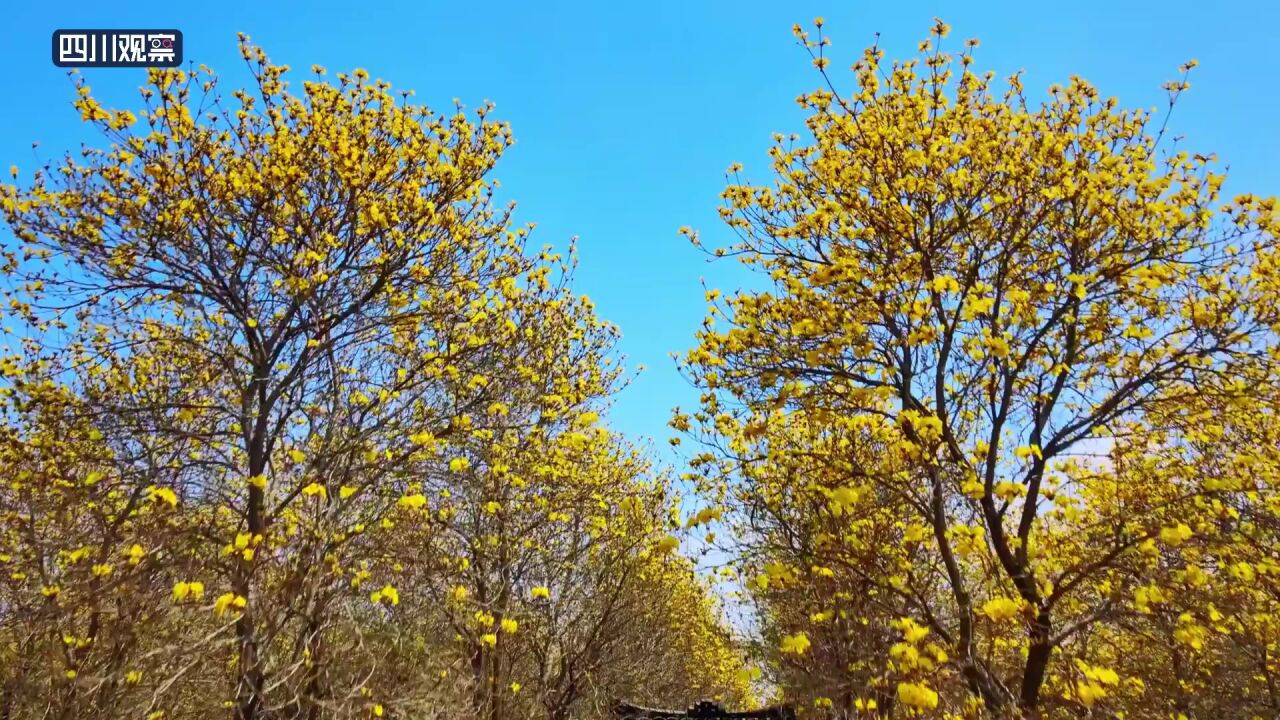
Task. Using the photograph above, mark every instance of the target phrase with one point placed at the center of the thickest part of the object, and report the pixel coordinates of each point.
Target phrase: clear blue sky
(626, 114)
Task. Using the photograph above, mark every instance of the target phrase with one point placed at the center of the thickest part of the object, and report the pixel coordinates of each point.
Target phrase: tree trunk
(1038, 654)
(251, 683)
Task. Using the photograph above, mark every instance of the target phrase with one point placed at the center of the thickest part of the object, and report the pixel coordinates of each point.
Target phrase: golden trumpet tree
(1206, 642)
(1004, 301)
(284, 374)
(813, 550)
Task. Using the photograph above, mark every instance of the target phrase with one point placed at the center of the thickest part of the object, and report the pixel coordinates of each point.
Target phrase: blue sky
(626, 114)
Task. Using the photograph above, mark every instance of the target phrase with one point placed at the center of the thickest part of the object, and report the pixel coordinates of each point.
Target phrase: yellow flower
(489, 639)
(459, 464)
(999, 347)
(668, 544)
(136, 553)
(541, 591)
(413, 502)
(945, 284)
(917, 696)
(912, 631)
(509, 626)
(228, 601)
(316, 489)
(1176, 535)
(796, 644)
(1026, 451)
(162, 495)
(193, 590)
(388, 595)
(1243, 571)
(1001, 608)
(1006, 490)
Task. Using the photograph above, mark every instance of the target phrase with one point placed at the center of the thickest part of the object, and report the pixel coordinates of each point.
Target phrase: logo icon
(117, 48)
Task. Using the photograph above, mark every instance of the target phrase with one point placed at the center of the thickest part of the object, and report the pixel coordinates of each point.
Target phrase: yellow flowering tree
(813, 548)
(1000, 295)
(1204, 638)
(87, 552)
(284, 374)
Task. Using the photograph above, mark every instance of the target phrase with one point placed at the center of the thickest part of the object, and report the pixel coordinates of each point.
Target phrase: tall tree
(258, 332)
(990, 288)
